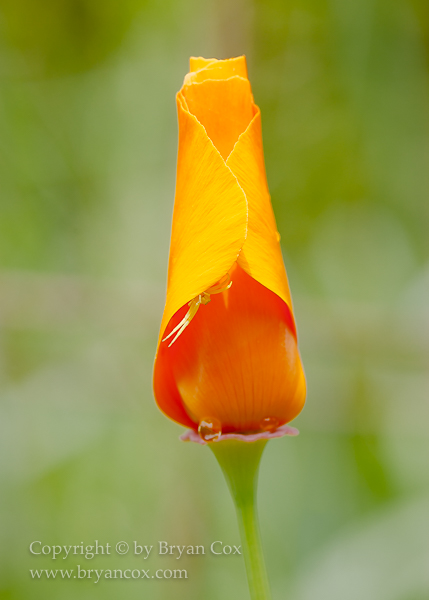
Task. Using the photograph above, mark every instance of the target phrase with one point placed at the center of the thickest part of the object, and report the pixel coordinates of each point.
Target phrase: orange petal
(223, 106)
(237, 362)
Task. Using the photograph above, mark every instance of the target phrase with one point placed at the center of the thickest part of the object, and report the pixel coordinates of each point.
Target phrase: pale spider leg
(194, 305)
(220, 285)
(193, 308)
(216, 290)
(185, 318)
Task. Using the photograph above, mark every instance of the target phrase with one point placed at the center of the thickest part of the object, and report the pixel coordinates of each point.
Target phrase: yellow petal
(209, 218)
(197, 63)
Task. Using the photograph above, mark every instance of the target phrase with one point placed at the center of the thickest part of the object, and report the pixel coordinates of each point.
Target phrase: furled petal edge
(261, 255)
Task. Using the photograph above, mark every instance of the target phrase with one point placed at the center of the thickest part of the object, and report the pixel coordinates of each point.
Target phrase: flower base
(192, 436)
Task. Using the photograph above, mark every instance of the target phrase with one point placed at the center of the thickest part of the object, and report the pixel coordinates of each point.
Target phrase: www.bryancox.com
(97, 574)
(88, 552)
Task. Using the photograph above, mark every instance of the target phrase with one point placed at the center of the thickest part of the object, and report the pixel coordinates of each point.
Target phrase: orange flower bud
(227, 352)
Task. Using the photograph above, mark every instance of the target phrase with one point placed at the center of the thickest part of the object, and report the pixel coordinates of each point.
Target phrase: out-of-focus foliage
(87, 160)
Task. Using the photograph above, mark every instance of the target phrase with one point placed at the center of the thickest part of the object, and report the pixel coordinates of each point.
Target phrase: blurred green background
(88, 141)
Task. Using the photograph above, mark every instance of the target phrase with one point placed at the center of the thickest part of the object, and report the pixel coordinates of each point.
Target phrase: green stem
(240, 465)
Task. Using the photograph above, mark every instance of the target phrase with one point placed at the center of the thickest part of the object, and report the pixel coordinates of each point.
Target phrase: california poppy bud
(227, 358)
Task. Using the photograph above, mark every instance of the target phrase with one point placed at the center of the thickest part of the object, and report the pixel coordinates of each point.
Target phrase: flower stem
(240, 465)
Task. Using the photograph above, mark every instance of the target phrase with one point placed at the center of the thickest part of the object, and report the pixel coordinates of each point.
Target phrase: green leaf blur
(88, 141)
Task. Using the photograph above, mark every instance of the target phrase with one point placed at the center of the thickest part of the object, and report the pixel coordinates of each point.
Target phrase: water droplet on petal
(269, 423)
(278, 236)
(210, 429)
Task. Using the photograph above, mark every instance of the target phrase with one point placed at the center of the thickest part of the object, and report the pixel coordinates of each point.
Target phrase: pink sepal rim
(193, 436)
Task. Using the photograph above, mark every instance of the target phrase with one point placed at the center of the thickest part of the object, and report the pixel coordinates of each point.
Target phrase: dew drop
(210, 429)
(269, 423)
(278, 236)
